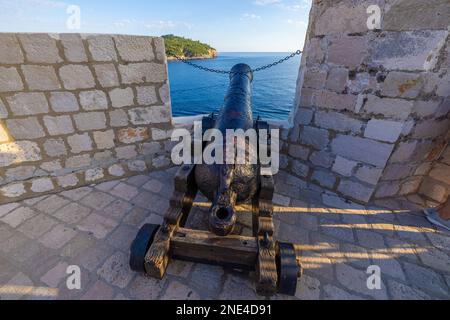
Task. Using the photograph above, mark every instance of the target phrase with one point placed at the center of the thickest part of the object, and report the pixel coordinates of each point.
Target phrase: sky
(227, 25)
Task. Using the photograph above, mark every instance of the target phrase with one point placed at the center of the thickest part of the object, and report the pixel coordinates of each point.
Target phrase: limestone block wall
(436, 183)
(80, 109)
(371, 104)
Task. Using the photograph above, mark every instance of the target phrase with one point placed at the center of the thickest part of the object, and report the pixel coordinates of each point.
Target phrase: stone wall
(371, 104)
(78, 109)
(436, 183)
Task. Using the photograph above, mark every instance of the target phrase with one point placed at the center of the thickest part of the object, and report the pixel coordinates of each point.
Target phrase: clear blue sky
(228, 25)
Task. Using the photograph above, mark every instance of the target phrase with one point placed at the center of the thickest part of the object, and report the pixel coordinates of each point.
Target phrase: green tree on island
(187, 48)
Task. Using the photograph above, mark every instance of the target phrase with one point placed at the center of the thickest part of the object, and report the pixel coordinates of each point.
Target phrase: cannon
(274, 264)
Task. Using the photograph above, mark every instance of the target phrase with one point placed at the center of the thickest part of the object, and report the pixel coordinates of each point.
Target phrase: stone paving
(336, 241)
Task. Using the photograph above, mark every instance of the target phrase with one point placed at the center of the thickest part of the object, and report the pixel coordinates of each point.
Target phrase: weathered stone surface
(118, 118)
(411, 186)
(403, 152)
(362, 82)
(116, 170)
(344, 167)
(115, 272)
(356, 190)
(20, 173)
(55, 147)
(134, 48)
(300, 168)
(58, 125)
(104, 140)
(80, 143)
(337, 79)
(158, 134)
(42, 185)
(41, 77)
(383, 130)
(146, 95)
(132, 135)
(136, 73)
(387, 190)
(3, 111)
(402, 85)
(73, 47)
(76, 77)
(397, 171)
(303, 116)
(93, 100)
(40, 48)
(63, 102)
(359, 149)
(27, 128)
(342, 18)
(393, 108)
(368, 174)
(332, 100)
(318, 138)
(347, 51)
(337, 121)
(164, 93)
(315, 78)
(125, 191)
(67, 181)
(299, 152)
(431, 129)
(10, 52)
(90, 121)
(400, 291)
(10, 80)
(23, 104)
(417, 15)
(18, 152)
(441, 172)
(77, 162)
(13, 190)
(122, 97)
(99, 291)
(323, 178)
(150, 115)
(107, 75)
(94, 174)
(127, 152)
(356, 280)
(102, 48)
(425, 279)
(409, 51)
(322, 159)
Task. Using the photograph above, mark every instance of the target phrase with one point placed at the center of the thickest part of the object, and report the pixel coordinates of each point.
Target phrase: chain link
(268, 66)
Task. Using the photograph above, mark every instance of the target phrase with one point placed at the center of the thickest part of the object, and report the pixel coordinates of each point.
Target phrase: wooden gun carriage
(273, 262)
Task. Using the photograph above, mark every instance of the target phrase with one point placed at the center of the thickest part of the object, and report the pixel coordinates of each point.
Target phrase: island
(187, 49)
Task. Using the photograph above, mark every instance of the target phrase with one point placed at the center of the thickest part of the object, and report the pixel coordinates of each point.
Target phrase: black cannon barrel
(228, 184)
(237, 110)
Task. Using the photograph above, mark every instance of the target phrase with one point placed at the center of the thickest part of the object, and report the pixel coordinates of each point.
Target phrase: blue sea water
(195, 92)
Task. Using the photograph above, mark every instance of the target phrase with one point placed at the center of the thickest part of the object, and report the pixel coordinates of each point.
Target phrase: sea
(195, 92)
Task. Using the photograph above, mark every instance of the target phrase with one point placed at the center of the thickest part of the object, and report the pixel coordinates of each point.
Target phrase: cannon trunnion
(225, 185)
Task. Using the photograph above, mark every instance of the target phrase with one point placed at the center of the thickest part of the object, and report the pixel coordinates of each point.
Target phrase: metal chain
(268, 66)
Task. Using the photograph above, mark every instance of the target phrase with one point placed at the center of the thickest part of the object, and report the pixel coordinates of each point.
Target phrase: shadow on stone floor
(336, 241)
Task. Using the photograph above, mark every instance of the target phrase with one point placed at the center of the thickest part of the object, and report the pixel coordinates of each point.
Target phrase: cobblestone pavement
(336, 241)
